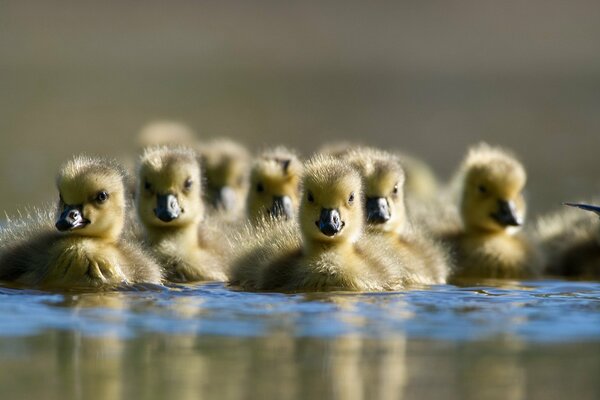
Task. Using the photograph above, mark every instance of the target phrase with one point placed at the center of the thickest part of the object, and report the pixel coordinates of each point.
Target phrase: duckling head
(331, 209)
(169, 190)
(274, 185)
(492, 192)
(92, 198)
(225, 165)
(383, 181)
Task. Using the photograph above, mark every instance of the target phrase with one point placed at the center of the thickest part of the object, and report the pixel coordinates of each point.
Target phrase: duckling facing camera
(570, 240)
(226, 165)
(274, 186)
(489, 243)
(170, 206)
(86, 248)
(387, 218)
(327, 250)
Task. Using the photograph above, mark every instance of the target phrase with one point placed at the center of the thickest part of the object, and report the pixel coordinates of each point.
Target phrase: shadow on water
(494, 340)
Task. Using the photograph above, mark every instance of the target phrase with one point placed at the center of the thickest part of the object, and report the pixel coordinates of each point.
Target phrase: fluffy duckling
(274, 185)
(570, 240)
(386, 215)
(328, 250)
(492, 209)
(226, 165)
(169, 204)
(86, 248)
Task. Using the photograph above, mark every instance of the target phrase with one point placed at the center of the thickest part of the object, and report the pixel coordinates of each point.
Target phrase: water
(505, 340)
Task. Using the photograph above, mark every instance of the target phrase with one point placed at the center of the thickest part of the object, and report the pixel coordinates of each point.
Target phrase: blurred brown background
(429, 77)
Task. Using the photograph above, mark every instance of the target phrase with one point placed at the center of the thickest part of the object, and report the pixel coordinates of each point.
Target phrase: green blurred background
(428, 77)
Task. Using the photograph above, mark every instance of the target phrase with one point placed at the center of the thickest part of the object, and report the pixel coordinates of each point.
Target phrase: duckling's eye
(259, 187)
(101, 197)
(351, 198)
(310, 197)
(482, 189)
(147, 186)
(188, 183)
(395, 191)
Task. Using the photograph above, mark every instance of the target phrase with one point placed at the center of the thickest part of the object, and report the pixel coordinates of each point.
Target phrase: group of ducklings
(350, 217)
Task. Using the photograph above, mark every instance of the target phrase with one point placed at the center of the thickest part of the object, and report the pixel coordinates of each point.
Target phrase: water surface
(504, 340)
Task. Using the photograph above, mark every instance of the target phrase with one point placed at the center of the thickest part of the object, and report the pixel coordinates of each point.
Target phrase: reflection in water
(206, 341)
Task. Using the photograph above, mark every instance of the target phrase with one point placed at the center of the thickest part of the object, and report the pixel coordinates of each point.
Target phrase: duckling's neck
(184, 235)
(313, 248)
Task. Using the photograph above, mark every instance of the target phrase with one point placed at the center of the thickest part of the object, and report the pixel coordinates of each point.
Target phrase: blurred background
(427, 77)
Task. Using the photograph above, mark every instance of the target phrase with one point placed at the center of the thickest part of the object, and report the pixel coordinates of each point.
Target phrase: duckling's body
(274, 185)
(488, 242)
(89, 251)
(570, 239)
(387, 218)
(170, 206)
(327, 250)
(226, 164)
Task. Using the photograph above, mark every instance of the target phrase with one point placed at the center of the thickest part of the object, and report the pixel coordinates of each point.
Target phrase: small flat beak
(226, 198)
(378, 210)
(167, 207)
(506, 215)
(330, 222)
(586, 207)
(282, 207)
(71, 218)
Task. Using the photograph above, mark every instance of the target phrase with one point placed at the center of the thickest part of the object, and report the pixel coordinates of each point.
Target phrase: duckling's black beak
(586, 207)
(378, 210)
(71, 218)
(226, 198)
(282, 207)
(330, 222)
(506, 215)
(167, 207)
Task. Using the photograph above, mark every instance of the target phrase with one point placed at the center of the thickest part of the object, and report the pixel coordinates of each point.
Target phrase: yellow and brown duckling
(274, 185)
(169, 204)
(226, 164)
(328, 250)
(492, 208)
(386, 215)
(85, 249)
(570, 240)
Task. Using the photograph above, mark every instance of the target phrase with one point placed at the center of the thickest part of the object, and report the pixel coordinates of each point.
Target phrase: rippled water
(498, 340)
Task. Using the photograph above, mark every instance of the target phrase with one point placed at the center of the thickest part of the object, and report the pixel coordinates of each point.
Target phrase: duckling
(570, 240)
(326, 250)
(492, 210)
(170, 206)
(86, 248)
(386, 215)
(226, 165)
(274, 185)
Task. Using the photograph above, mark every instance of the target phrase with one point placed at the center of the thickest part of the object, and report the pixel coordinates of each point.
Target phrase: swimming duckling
(386, 215)
(226, 165)
(492, 210)
(169, 204)
(570, 240)
(328, 250)
(274, 185)
(86, 248)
